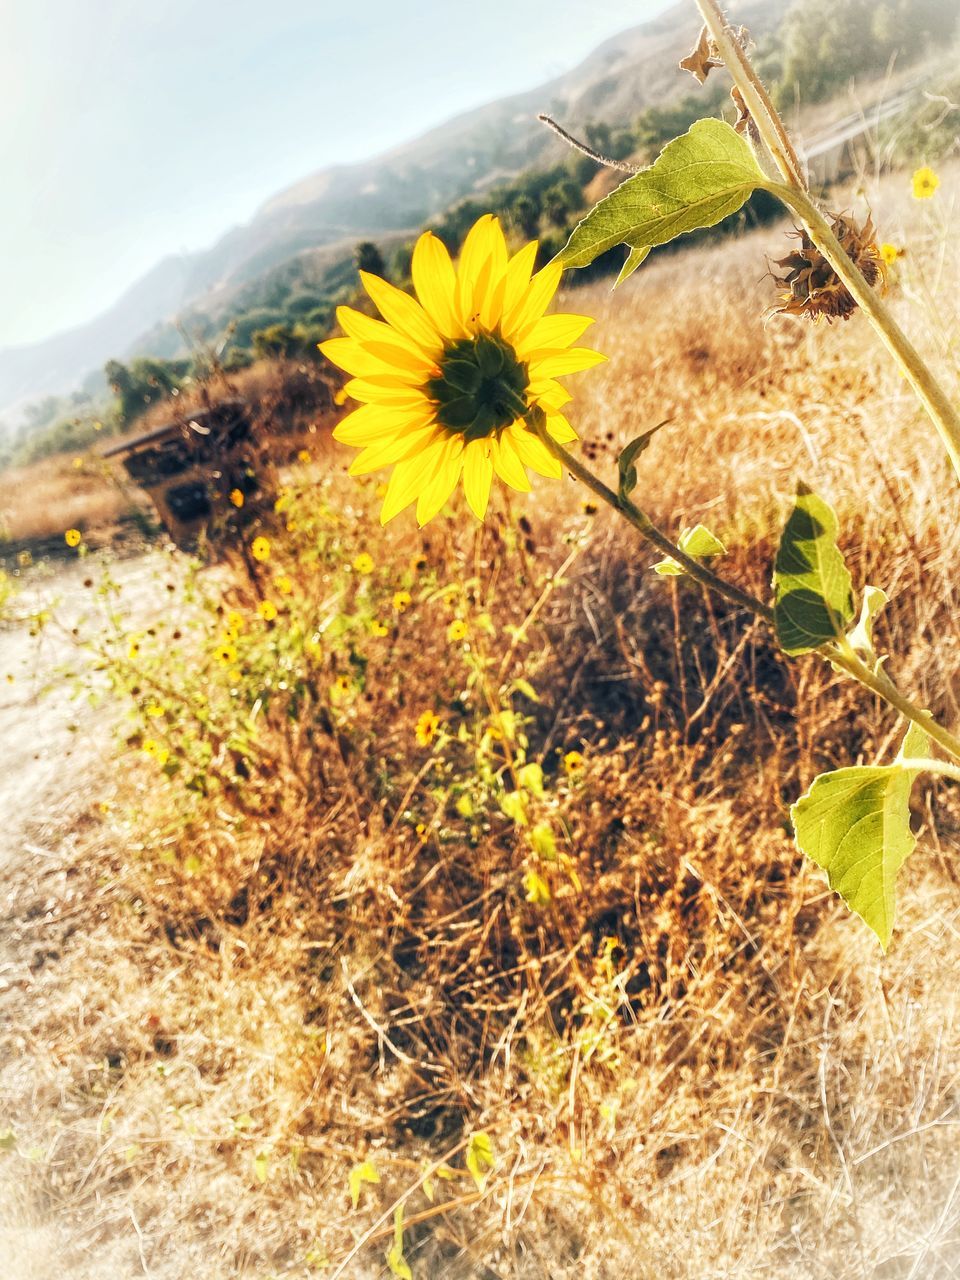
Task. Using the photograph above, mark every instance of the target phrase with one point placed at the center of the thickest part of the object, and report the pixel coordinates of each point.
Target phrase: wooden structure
(190, 468)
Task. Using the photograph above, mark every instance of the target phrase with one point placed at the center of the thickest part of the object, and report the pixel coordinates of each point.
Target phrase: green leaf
(359, 1174)
(395, 1260)
(544, 842)
(861, 637)
(261, 1166)
(697, 180)
(530, 777)
(814, 599)
(698, 541)
(635, 258)
(480, 1158)
(538, 891)
(629, 455)
(855, 824)
(512, 804)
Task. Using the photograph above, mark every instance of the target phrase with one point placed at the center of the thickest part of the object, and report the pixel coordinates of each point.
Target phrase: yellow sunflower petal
(507, 464)
(560, 429)
(477, 476)
(356, 324)
(550, 334)
(408, 479)
(533, 453)
(404, 313)
(483, 257)
(349, 355)
(385, 453)
(384, 390)
(445, 480)
(516, 278)
(373, 422)
(563, 362)
(549, 394)
(436, 284)
(534, 300)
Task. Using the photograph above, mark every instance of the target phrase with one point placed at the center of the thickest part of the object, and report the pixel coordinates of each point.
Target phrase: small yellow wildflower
(73, 537)
(925, 183)
(426, 728)
(457, 630)
(236, 497)
(133, 649)
(78, 463)
(283, 501)
(154, 711)
(226, 653)
(889, 253)
(421, 830)
(341, 687)
(303, 455)
(379, 628)
(156, 752)
(267, 610)
(284, 585)
(260, 549)
(402, 601)
(573, 762)
(363, 563)
(235, 622)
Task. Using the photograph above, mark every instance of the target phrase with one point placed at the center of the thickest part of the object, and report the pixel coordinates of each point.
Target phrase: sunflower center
(480, 388)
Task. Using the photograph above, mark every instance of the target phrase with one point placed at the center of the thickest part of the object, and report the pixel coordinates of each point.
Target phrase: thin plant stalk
(840, 654)
(793, 192)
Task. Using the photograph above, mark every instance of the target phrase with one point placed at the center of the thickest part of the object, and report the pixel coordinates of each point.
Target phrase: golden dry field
(261, 934)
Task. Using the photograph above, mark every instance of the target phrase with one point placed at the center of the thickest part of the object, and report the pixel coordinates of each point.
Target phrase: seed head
(813, 288)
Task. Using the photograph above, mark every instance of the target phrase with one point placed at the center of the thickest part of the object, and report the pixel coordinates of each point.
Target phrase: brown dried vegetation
(695, 1064)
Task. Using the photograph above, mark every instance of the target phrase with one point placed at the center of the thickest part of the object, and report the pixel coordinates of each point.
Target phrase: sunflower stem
(793, 193)
(931, 394)
(644, 525)
(840, 655)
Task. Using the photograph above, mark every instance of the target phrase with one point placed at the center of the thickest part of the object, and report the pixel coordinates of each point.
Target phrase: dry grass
(747, 1089)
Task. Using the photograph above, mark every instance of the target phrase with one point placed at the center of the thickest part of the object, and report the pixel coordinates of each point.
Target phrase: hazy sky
(131, 130)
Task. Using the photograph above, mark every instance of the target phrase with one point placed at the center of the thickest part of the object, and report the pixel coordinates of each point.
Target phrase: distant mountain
(394, 192)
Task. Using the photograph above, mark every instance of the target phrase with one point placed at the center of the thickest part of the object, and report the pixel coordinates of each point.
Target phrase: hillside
(392, 192)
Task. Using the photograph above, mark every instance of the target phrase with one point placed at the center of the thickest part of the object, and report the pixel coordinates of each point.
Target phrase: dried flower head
(813, 288)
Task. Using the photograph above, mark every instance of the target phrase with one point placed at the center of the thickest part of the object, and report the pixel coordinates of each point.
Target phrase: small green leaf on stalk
(530, 777)
(861, 637)
(513, 805)
(635, 258)
(699, 542)
(626, 463)
(813, 593)
(543, 841)
(261, 1166)
(855, 824)
(526, 688)
(395, 1260)
(366, 1171)
(697, 180)
(538, 891)
(480, 1158)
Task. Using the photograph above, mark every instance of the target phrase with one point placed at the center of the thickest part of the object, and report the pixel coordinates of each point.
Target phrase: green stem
(941, 409)
(876, 680)
(840, 654)
(793, 193)
(941, 767)
(642, 522)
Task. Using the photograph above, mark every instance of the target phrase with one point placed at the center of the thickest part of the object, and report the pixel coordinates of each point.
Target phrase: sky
(129, 131)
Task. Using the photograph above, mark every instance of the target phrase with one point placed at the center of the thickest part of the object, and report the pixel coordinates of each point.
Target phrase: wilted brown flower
(813, 288)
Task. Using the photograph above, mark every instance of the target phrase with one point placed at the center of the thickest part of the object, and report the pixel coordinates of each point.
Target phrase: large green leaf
(814, 599)
(697, 180)
(855, 824)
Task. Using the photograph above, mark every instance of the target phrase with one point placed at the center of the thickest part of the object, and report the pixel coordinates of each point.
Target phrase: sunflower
(446, 382)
